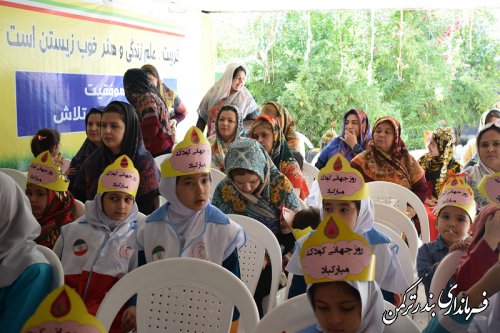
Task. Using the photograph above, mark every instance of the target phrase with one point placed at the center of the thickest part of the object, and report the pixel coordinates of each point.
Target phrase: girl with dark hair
(121, 135)
(50, 139)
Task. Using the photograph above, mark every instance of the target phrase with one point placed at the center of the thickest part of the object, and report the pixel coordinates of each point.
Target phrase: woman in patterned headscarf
(267, 132)
(228, 128)
(285, 120)
(436, 164)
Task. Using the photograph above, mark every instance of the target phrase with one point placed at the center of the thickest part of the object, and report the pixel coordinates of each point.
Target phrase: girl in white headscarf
(347, 306)
(25, 274)
(229, 89)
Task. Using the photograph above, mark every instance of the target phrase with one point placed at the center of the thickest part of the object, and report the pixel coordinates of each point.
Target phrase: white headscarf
(372, 306)
(479, 170)
(364, 221)
(94, 214)
(178, 215)
(18, 229)
(221, 89)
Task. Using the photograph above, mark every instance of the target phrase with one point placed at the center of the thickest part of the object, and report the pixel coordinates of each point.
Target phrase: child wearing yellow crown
(346, 195)
(100, 247)
(51, 203)
(25, 273)
(339, 269)
(456, 210)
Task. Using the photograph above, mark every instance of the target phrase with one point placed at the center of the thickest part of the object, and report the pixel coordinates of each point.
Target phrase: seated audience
(121, 135)
(437, 163)
(93, 140)
(50, 139)
(279, 113)
(26, 275)
(228, 128)
(456, 210)
(151, 110)
(100, 247)
(355, 136)
(51, 203)
(469, 155)
(268, 133)
(228, 90)
(488, 150)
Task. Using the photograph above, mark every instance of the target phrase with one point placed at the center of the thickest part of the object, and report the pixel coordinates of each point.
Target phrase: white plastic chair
(400, 223)
(217, 177)
(304, 141)
(79, 209)
(251, 256)
(403, 252)
(160, 158)
(291, 316)
(401, 324)
(398, 196)
(443, 273)
(55, 263)
(181, 295)
(310, 173)
(19, 177)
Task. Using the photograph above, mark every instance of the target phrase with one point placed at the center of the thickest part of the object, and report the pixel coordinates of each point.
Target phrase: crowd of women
(114, 173)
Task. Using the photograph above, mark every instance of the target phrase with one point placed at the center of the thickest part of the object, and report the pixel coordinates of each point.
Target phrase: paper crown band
(120, 176)
(335, 253)
(45, 173)
(192, 155)
(62, 311)
(489, 187)
(339, 181)
(456, 192)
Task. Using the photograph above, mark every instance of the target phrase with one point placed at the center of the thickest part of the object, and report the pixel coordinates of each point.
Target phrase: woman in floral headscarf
(228, 128)
(267, 132)
(436, 164)
(285, 120)
(355, 136)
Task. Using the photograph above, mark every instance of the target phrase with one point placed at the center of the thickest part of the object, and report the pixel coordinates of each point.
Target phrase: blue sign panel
(61, 101)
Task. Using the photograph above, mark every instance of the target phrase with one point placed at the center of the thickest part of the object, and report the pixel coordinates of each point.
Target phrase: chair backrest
(291, 316)
(396, 195)
(400, 223)
(217, 177)
(443, 273)
(57, 269)
(401, 324)
(304, 141)
(403, 252)
(160, 158)
(310, 173)
(251, 256)
(79, 209)
(19, 177)
(181, 295)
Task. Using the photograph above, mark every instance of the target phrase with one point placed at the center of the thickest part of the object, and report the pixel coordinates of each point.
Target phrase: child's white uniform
(213, 236)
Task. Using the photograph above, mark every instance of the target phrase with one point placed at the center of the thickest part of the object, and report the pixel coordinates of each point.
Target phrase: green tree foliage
(426, 68)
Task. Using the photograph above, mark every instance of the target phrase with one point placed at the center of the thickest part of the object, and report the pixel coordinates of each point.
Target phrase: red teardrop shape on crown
(45, 157)
(61, 305)
(337, 165)
(124, 163)
(194, 137)
(454, 182)
(331, 229)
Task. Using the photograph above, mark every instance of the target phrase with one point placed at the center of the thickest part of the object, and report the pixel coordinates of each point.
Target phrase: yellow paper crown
(339, 181)
(288, 216)
(192, 155)
(456, 192)
(45, 173)
(335, 253)
(489, 187)
(62, 311)
(120, 176)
